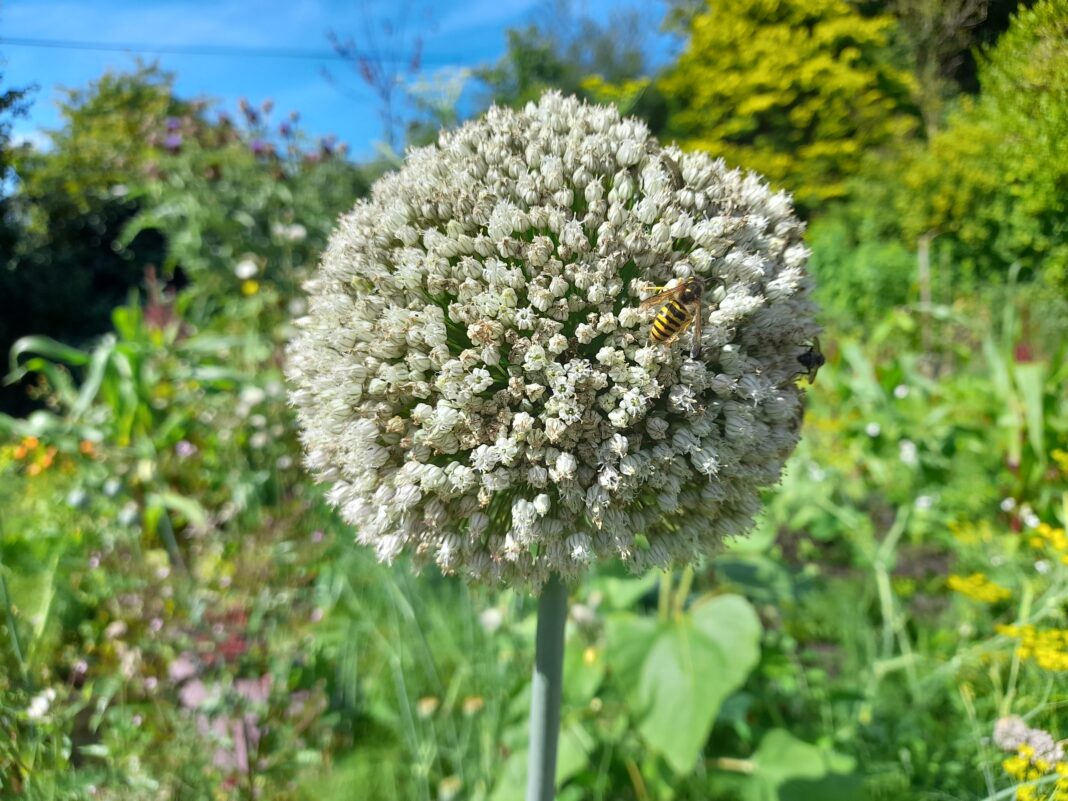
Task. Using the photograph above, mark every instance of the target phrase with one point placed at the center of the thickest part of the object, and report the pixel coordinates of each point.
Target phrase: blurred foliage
(991, 184)
(797, 91)
(71, 203)
(940, 37)
(138, 179)
(182, 617)
(577, 55)
(13, 103)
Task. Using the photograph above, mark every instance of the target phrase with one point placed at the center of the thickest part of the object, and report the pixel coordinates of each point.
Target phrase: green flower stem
(546, 691)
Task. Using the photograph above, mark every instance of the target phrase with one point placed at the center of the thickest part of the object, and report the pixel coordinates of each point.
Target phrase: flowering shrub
(476, 382)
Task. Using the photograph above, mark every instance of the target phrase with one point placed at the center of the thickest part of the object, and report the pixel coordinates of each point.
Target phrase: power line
(308, 54)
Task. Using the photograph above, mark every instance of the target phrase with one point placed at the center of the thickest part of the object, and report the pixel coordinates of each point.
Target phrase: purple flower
(173, 142)
(285, 129)
(173, 123)
(259, 147)
(185, 449)
(251, 115)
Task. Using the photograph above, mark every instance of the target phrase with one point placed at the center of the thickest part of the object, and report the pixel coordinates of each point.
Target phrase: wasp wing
(695, 348)
(661, 298)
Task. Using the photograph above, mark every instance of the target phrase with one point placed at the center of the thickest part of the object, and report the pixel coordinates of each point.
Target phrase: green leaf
(623, 593)
(572, 757)
(188, 508)
(94, 377)
(46, 347)
(789, 769)
(584, 669)
(1030, 378)
(695, 663)
(628, 639)
(98, 750)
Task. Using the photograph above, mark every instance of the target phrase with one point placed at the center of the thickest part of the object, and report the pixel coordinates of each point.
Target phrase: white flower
(474, 378)
(40, 704)
(908, 452)
(491, 619)
(246, 268)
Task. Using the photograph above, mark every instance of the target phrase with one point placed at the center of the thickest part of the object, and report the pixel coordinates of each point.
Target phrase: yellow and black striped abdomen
(672, 319)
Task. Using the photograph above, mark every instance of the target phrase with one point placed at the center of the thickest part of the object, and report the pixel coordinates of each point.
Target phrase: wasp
(679, 307)
(812, 360)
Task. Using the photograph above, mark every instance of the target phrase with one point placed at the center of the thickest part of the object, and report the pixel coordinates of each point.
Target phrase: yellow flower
(473, 704)
(250, 287)
(1061, 458)
(1048, 648)
(971, 533)
(1056, 539)
(427, 706)
(1017, 767)
(978, 587)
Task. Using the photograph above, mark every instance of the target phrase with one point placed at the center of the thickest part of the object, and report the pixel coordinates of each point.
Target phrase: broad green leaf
(789, 769)
(623, 593)
(33, 592)
(628, 639)
(695, 663)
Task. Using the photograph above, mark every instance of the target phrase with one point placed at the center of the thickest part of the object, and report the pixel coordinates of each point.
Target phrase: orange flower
(87, 448)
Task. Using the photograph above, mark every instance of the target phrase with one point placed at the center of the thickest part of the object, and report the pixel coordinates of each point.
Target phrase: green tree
(990, 187)
(562, 51)
(940, 35)
(799, 91)
(65, 273)
(12, 104)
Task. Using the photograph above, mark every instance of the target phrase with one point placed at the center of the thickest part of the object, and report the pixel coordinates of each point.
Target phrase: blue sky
(462, 34)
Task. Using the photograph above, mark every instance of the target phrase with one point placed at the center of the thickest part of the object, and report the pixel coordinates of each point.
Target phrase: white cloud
(34, 137)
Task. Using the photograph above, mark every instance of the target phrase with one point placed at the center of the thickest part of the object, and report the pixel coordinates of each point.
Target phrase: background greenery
(181, 616)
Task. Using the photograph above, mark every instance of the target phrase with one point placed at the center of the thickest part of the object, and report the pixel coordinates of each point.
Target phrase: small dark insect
(679, 307)
(673, 169)
(812, 360)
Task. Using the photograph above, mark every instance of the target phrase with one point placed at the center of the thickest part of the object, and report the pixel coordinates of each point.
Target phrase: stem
(546, 690)
(683, 591)
(13, 633)
(663, 605)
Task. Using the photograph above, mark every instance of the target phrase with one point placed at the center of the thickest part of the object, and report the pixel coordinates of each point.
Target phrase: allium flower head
(475, 381)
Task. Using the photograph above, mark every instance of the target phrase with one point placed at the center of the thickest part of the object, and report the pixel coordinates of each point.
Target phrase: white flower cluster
(1012, 731)
(474, 378)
